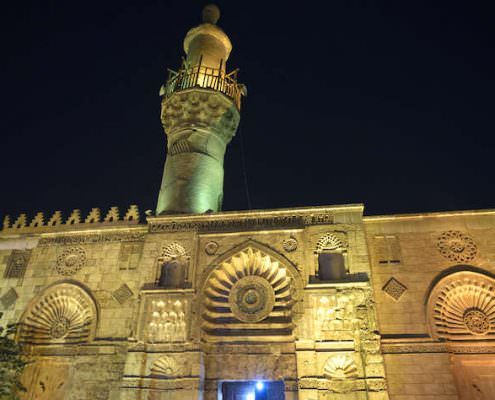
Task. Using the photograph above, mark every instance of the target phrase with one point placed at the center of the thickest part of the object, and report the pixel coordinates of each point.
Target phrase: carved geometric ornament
(394, 288)
(462, 307)
(329, 242)
(165, 367)
(290, 244)
(456, 246)
(340, 367)
(172, 251)
(211, 248)
(249, 294)
(71, 260)
(64, 314)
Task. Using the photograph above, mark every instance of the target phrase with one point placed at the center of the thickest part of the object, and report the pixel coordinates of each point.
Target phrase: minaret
(200, 114)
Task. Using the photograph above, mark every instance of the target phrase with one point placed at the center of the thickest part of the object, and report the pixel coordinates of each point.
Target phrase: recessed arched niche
(331, 257)
(172, 267)
(249, 295)
(461, 306)
(63, 314)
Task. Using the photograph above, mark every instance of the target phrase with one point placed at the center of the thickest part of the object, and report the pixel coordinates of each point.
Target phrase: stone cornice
(419, 216)
(258, 219)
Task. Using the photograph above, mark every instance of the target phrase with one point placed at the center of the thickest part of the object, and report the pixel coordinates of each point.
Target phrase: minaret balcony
(201, 76)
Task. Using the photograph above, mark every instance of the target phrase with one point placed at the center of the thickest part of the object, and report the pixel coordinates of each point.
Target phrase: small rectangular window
(387, 249)
(130, 254)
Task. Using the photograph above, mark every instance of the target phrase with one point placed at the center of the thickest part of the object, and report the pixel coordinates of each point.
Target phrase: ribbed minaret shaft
(200, 114)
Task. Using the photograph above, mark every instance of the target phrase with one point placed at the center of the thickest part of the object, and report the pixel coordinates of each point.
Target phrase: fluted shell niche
(63, 314)
(462, 307)
(248, 295)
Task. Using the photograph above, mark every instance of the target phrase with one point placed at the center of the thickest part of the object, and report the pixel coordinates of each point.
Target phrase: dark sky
(390, 104)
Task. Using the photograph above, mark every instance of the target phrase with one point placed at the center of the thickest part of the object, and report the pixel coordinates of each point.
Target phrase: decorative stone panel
(173, 250)
(71, 260)
(461, 306)
(456, 246)
(63, 314)
(394, 289)
(248, 294)
(211, 248)
(290, 245)
(9, 298)
(166, 367)
(340, 367)
(336, 315)
(331, 242)
(17, 263)
(164, 317)
(122, 294)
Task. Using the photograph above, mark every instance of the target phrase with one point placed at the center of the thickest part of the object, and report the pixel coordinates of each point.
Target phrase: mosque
(189, 302)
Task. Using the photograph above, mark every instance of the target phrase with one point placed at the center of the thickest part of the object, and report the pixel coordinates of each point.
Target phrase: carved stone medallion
(290, 245)
(211, 248)
(251, 299)
(476, 321)
(456, 246)
(70, 261)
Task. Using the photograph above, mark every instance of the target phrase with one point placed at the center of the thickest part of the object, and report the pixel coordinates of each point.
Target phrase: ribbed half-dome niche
(340, 367)
(249, 295)
(64, 314)
(462, 307)
(165, 367)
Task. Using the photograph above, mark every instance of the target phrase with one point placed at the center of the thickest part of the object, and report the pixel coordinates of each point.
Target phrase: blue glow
(260, 385)
(250, 396)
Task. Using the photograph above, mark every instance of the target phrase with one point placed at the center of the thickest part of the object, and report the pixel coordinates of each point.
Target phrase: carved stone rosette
(71, 260)
(64, 314)
(456, 246)
(461, 306)
(248, 294)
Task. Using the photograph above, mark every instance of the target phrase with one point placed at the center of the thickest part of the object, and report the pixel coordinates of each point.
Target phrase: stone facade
(99, 323)
(319, 303)
(433, 280)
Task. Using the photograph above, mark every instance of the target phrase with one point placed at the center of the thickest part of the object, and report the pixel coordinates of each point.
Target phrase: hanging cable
(244, 170)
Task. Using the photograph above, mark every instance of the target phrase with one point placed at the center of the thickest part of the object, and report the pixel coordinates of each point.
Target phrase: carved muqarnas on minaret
(200, 115)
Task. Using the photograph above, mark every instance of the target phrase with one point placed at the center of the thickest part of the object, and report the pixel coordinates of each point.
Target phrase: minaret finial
(211, 14)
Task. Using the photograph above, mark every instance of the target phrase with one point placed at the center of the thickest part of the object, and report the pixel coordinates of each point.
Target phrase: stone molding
(91, 238)
(437, 347)
(254, 220)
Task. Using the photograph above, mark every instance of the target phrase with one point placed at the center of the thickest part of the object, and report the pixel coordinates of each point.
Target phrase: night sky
(388, 104)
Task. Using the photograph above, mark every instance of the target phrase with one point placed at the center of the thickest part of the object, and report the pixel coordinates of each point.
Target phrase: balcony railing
(204, 77)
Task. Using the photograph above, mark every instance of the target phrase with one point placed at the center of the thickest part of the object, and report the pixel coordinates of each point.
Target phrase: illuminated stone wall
(110, 308)
(434, 288)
